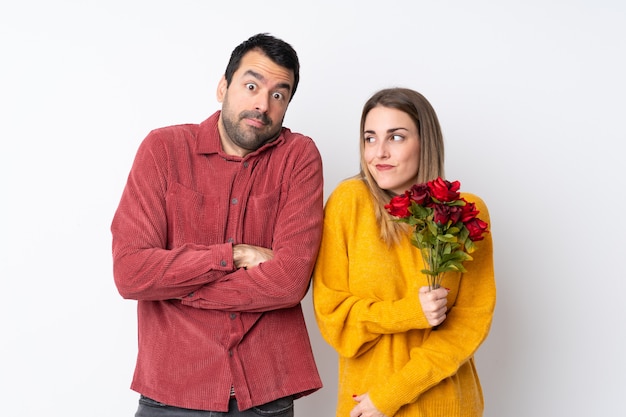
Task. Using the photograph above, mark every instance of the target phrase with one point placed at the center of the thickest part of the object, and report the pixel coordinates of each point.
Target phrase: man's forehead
(258, 65)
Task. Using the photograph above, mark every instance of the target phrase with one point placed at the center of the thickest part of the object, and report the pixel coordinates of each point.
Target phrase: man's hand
(248, 256)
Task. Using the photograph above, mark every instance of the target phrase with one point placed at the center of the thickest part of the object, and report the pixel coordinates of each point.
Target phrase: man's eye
(251, 86)
(278, 96)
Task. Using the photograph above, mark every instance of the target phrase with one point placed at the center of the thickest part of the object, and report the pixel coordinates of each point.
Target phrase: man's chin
(252, 145)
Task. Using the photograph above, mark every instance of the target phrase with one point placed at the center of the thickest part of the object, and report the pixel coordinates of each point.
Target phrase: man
(216, 235)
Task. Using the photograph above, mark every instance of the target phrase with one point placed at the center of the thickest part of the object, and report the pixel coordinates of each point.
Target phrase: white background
(530, 95)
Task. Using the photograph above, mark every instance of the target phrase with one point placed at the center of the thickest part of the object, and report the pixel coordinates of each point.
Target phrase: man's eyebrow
(254, 74)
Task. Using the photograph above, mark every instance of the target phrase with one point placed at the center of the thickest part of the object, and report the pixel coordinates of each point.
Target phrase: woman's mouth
(384, 167)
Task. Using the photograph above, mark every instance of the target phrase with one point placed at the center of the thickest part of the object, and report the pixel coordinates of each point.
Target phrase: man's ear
(221, 89)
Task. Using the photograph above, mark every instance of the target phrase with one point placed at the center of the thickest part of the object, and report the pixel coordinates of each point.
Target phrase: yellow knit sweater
(366, 302)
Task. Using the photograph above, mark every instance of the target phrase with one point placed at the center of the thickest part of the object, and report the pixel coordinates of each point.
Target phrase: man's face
(254, 105)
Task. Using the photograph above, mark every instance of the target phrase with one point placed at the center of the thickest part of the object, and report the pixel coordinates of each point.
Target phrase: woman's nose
(382, 150)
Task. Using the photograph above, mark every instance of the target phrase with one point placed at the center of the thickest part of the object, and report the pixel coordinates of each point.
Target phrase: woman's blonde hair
(431, 155)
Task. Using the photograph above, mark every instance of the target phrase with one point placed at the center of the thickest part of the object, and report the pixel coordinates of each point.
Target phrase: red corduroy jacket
(204, 325)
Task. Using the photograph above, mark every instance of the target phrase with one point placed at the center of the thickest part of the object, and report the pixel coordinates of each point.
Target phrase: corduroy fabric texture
(204, 325)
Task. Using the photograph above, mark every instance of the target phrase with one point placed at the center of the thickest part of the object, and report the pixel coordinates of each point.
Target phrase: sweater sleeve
(143, 267)
(455, 341)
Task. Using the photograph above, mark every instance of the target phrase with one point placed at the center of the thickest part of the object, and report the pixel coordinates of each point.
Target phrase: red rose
(444, 190)
(444, 214)
(476, 229)
(420, 193)
(399, 205)
(468, 211)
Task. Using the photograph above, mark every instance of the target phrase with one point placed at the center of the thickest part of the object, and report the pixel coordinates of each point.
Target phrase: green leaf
(447, 238)
(470, 246)
(454, 230)
(432, 228)
(464, 234)
(420, 212)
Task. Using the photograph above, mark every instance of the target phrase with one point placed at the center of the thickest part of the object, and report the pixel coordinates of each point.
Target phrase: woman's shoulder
(348, 194)
(478, 201)
(472, 197)
(349, 189)
(352, 185)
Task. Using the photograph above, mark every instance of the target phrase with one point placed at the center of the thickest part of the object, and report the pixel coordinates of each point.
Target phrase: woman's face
(391, 148)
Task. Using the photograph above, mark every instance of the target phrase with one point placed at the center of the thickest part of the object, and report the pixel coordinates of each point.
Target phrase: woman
(403, 350)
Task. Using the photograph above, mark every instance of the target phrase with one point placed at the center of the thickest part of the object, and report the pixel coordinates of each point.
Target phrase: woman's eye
(369, 139)
(396, 138)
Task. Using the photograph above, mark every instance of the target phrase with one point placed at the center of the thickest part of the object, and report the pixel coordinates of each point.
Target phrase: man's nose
(262, 103)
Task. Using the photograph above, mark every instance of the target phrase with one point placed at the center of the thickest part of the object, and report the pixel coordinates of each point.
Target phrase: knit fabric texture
(365, 296)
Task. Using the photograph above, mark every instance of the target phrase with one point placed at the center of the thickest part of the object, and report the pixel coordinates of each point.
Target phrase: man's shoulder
(169, 138)
(175, 130)
(296, 145)
(185, 129)
(296, 137)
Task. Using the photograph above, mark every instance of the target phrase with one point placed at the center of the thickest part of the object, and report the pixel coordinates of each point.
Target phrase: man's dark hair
(279, 51)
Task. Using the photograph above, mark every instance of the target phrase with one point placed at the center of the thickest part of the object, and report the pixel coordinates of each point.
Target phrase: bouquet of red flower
(445, 226)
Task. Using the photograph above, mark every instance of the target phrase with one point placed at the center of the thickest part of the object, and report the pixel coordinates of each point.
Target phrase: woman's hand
(365, 407)
(248, 256)
(434, 304)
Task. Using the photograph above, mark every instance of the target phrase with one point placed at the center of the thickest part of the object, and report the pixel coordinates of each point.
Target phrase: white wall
(531, 98)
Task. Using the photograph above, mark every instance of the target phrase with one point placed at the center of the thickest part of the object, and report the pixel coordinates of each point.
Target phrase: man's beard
(245, 136)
